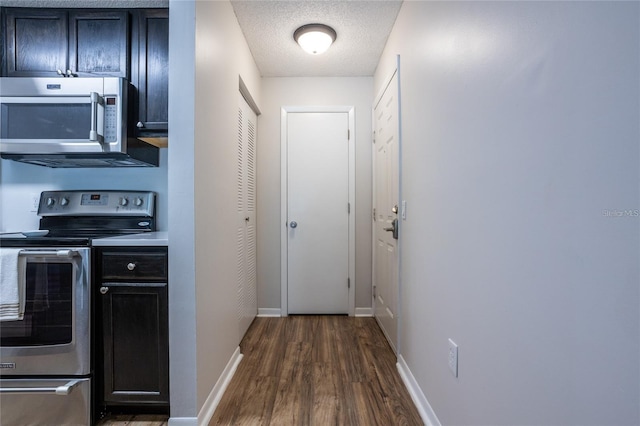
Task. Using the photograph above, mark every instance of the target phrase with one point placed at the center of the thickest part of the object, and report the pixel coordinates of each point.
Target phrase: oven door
(45, 402)
(53, 338)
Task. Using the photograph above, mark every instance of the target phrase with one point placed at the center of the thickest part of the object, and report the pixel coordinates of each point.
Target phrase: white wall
(208, 54)
(320, 91)
(520, 131)
(183, 368)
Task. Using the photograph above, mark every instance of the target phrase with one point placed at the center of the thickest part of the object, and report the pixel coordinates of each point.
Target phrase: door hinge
(374, 292)
(348, 282)
(374, 214)
(349, 208)
(348, 134)
(374, 136)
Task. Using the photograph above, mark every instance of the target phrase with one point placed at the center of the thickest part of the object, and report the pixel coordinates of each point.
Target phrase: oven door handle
(59, 253)
(65, 389)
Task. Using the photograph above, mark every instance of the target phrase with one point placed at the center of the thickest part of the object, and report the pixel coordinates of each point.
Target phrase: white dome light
(315, 38)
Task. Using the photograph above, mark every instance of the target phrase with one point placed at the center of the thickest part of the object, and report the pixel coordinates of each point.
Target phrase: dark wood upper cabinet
(98, 43)
(150, 67)
(39, 42)
(35, 42)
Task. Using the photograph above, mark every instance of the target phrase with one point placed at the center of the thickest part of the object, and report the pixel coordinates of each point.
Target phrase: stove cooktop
(75, 218)
(52, 240)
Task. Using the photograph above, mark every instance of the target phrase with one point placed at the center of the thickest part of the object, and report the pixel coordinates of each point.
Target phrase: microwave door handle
(96, 100)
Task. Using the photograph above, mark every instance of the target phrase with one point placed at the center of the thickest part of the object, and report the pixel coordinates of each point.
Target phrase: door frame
(284, 201)
(401, 203)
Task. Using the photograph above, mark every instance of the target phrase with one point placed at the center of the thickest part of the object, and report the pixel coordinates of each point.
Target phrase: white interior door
(246, 219)
(318, 212)
(386, 208)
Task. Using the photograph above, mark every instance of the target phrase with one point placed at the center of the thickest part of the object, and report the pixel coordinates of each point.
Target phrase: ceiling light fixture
(314, 38)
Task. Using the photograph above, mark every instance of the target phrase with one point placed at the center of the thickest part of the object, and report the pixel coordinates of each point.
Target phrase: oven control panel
(96, 203)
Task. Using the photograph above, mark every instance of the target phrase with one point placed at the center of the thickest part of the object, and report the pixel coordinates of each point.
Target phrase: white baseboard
(269, 312)
(364, 312)
(276, 312)
(183, 421)
(424, 408)
(210, 405)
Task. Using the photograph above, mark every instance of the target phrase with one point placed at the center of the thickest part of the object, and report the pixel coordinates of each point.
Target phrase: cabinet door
(153, 69)
(246, 224)
(98, 42)
(36, 42)
(135, 344)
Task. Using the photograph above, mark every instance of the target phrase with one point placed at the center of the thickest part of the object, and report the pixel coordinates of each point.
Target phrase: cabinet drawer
(134, 265)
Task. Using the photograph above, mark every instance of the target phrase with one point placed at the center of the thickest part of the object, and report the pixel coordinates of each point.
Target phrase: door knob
(104, 290)
(293, 224)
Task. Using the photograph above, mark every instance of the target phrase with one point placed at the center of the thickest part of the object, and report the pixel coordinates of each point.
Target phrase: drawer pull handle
(104, 290)
(131, 266)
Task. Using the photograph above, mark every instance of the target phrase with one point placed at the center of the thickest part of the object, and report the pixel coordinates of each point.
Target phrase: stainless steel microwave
(69, 122)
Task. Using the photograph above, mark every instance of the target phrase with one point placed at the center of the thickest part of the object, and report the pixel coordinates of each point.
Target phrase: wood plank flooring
(316, 370)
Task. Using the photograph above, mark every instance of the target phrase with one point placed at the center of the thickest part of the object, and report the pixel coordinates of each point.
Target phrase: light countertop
(160, 238)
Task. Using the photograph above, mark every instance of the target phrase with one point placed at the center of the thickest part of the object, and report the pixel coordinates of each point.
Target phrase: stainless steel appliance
(70, 122)
(46, 373)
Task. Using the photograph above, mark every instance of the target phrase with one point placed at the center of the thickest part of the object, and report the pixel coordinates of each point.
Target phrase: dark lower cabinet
(135, 345)
(132, 360)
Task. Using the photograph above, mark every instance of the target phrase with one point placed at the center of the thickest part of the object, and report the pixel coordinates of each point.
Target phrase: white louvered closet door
(246, 223)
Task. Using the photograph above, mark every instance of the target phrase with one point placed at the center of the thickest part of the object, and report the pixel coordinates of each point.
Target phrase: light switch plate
(453, 357)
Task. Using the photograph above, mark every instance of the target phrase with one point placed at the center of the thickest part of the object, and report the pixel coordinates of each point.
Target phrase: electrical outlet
(35, 201)
(453, 358)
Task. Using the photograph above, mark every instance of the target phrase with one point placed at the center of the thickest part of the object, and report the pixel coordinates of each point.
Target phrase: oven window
(68, 121)
(48, 312)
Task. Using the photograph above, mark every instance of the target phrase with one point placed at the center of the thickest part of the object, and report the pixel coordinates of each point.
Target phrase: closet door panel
(246, 216)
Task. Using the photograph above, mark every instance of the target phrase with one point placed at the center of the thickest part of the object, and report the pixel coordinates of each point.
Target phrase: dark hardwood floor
(316, 370)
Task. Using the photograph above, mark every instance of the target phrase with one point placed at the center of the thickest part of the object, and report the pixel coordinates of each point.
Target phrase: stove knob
(64, 201)
(139, 201)
(50, 202)
(124, 201)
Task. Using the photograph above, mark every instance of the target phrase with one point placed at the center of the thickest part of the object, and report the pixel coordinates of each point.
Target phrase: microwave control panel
(110, 119)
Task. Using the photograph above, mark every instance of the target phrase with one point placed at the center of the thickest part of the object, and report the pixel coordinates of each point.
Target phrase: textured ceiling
(362, 27)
